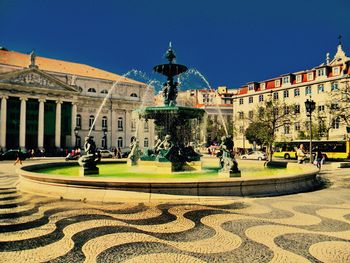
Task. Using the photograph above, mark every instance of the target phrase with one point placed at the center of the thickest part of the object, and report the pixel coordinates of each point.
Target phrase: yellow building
(294, 88)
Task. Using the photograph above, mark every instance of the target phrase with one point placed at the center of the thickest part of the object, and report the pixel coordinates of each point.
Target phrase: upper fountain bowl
(170, 70)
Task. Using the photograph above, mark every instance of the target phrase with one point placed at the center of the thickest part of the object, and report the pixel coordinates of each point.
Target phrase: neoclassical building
(294, 89)
(49, 103)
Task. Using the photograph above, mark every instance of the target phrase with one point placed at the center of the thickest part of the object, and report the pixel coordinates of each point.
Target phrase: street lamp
(105, 138)
(76, 130)
(310, 107)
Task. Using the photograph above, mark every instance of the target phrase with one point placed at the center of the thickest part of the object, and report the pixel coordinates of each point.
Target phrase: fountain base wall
(115, 190)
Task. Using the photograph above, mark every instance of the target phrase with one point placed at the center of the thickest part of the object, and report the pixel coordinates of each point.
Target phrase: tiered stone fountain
(173, 150)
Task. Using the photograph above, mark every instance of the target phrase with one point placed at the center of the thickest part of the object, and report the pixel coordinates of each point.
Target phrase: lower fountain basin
(108, 188)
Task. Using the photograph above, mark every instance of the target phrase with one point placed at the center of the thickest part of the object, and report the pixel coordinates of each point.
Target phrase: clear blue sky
(230, 42)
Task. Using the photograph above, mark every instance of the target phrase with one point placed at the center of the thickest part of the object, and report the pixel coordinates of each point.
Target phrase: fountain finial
(170, 56)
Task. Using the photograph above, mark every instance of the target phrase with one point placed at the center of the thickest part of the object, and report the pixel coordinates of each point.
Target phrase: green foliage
(258, 132)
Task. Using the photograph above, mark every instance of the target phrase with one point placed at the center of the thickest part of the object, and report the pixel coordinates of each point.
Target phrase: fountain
(174, 152)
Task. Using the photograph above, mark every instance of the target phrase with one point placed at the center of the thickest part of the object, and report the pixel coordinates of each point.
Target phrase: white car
(254, 155)
(106, 154)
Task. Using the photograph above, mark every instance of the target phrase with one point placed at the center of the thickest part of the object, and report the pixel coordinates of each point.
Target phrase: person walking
(319, 159)
(18, 157)
(301, 154)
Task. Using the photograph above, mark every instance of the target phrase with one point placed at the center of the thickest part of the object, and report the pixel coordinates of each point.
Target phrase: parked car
(106, 153)
(254, 155)
(12, 155)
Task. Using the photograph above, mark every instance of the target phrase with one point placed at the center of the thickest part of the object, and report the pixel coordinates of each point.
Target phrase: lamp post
(310, 107)
(76, 136)
(105, 137)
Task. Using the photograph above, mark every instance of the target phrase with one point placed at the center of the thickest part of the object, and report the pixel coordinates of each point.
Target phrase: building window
(297, 126)
(275, 95)
(286, 110)
(120, 124)
(334, 106)
(250, 114)
(120, 142)
(145, 142)
(262, 86)
(335, 71)
(241, 101)
(297, 109)
(286, 80)
(298, 78)
(145, 126)
(320, 88)
(335, 123)
(92, 90)
(241, 129)
(134, 95)
(104, 122)
(310, 76)
(133, 125)
(261, 97)
(251, 87)
(320, 72)
(286, 129)
(277, 83)
(78, 121)
(320, 107)
(334, 86)
(91, 122)
(285, 93)
(250, 99)
(308, 90)
(241, 115)
(104, 91)
(296, 92)
(103, 142)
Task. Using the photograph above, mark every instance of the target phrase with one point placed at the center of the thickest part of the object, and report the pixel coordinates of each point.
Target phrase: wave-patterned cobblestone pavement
(308, 227)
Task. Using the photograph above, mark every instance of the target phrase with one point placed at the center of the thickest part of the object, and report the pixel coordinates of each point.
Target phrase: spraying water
(195, 72)
(107, 96)
(143, 100)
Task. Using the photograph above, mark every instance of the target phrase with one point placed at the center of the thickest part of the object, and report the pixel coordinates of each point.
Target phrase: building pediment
(35, 78)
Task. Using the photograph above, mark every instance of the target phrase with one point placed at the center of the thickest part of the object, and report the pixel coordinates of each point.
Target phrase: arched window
(78, 121)
(146, 126)
(92, 90)
(120, 142)
(120, 124)
(133, 95)
(145, 142)
(104, 91)
(104, 122)
(91, 121)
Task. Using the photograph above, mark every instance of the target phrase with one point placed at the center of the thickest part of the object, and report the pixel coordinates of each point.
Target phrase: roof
(17, 59)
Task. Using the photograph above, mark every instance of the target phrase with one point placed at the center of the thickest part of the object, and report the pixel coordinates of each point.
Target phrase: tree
(339, 103)
(271, 115)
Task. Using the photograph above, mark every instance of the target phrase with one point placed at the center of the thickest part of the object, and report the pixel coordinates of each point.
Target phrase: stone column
(22, 123)
(3, 122)
(41, 124)
(127, 128)
(58, 124)
(74, 122)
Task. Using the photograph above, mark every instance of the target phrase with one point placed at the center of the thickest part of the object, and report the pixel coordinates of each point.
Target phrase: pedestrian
(301, 154)
(18, 157)
(115, 152)
(119, 153)
(319, 158)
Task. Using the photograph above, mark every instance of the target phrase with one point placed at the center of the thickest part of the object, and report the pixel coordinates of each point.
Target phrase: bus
(330, 149)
